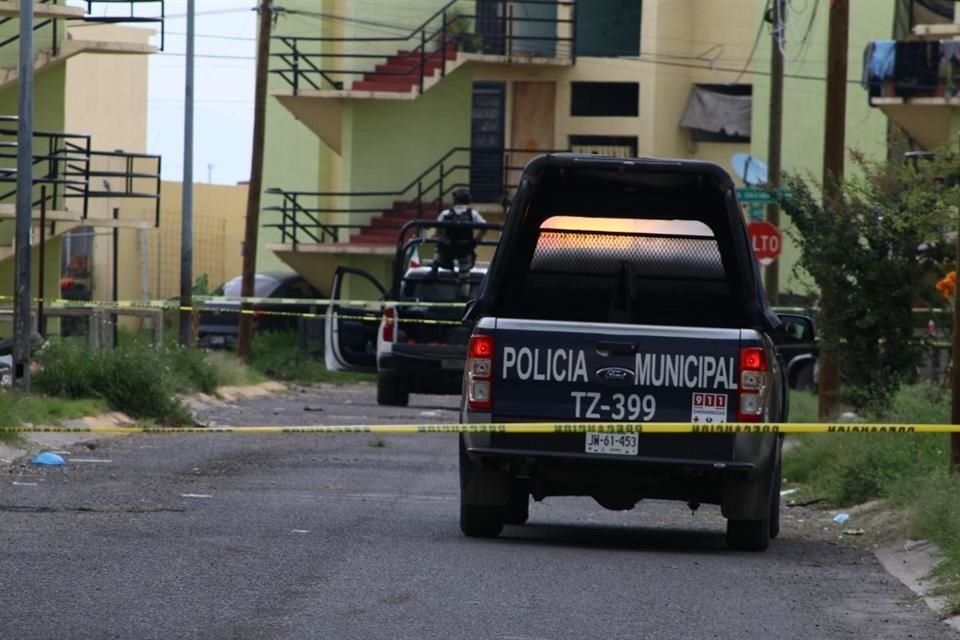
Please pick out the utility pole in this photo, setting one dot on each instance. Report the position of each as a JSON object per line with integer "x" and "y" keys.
{"x": 24, "y": 202}
{"x": 252, "y": 228}
{"x": 778, "y": 42}
{"x": 186, "y": 222}
{"x": 833, "y": 157}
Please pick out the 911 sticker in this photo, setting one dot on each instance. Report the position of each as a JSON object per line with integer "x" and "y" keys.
{"x": 709, "y": 408}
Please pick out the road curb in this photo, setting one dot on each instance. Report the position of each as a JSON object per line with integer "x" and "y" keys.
{"x": 35, "y": 442}
{"x": 911, "y": 562}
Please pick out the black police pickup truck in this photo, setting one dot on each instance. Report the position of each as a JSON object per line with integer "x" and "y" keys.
{"x": 623, "y": 290}
{"x": 413, "y": 338}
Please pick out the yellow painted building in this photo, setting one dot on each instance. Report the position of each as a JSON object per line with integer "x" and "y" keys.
{"x": 91, "y": 107}
{"x": 356, "y": 142}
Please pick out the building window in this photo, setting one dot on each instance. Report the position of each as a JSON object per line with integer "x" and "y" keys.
{"x": 606, "y": 28}
{"x": 719, "y": 113}
{"x": 604, "y": 99}
{"x": 616, "y": 146}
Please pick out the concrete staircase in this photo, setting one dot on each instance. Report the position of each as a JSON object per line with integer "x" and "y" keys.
{"x": 401, "y": 72}
{"x": 383, "y": 229}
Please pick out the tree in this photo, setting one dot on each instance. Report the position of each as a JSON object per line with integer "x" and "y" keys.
{"x": 877, "y": 253}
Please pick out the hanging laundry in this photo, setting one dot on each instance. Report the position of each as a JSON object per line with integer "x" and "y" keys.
{"x": 950, "y": 59}
{"x": 878, "y": 65}
{"x": 949, "y": 51}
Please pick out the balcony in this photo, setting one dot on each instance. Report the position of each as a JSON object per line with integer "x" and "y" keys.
{"x": 73, "y": 183}
{"x": 53, "y": 44}
{"x": 338, "y": 68}
{"x": 916, "y": 83}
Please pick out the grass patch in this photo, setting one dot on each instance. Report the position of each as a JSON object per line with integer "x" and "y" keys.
{"x": 17, "y": 409}
{"x": 803, "y": 406}
{"x": 276, "y": 355}
{"x": 231, "y": 371}
{"x": 134, "y": 378}
{"x": 908, "y": 471}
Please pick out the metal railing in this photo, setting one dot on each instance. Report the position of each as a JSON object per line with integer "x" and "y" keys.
{"x": 38, "y": 25}
{"x": 122, "y": 175}
{"x": 54, "y": 23}
{"x": 67, "y": 173}
{"x": 305, "y": 215}
{"x": 60, "y": 162}
{"x": 514, "y": 29}
{"x": 131, "y": 17}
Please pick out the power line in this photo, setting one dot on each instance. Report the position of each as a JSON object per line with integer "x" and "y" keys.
{"x": 217, "y": 56}
{"x": 753, "y": 49}
{"x": 795, "y": 76}
{"x": 212, "y": 36}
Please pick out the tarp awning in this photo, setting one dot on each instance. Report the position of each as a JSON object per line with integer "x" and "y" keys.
{"x": 717, "y": 112}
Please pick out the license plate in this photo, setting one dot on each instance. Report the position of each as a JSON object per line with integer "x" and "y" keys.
{"x": 452, "y": 364}
{"x": 220, "y": 340}
{"x": 624, "y": 444}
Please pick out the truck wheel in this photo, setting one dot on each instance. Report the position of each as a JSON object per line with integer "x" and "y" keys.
{"x": 518, "y": 511}
{"x": 803, "y": 379}
{"x": 477, "y": 521}
{"x": 391, "y": 392}
{"x": 748, "y": 535}
{"x": 481, "y": 521}
{"x": 775, "y": 498}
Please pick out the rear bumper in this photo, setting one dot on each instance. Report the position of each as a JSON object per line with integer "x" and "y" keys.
{"x": 591, "y": 460}
{"x": 731, "y": 470}
{"x": 439, "y": 360}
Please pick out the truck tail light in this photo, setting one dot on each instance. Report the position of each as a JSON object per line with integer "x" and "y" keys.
{"x": 389, "y": 324}
{"x": 480, "y": 373}
{"x": 752, "y": 384}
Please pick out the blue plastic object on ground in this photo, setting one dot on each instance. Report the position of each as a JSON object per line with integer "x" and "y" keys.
{"x": 49, "y": 459}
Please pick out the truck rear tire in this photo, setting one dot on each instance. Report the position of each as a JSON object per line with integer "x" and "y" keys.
{"x": 391, "y": 392}
{"x": 518, "y": 511}
{"x": 775, "y": 497}
{"x": 748, "y": 535}
{"x": 478, "y": 521}
{"x": 803, "y": 379}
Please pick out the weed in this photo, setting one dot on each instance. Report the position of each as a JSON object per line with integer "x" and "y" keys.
{"x": 17, "y": 409}
{"x": 909, "y": 471}
{"x": 134, "y": 378}
{"x": 277, "y": 355}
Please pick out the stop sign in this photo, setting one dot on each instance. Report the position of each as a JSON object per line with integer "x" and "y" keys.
{"x": 766, "y": 241}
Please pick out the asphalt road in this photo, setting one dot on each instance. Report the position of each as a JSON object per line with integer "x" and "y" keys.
{"x": 320, "y": 536}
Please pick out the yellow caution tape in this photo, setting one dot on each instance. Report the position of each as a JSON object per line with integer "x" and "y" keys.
{"x": 59, "y": 303}
{"x": 516, "y": 428}
{"x": 214, "y": 300}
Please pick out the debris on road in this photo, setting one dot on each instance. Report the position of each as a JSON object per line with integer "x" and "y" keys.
{"x": 48, "y": 459}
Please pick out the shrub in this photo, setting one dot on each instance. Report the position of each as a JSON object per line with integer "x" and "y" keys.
{"x": 134, "y": 378}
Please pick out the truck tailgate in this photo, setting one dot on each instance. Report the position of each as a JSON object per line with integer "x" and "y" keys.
{"x": 566, "y": 371}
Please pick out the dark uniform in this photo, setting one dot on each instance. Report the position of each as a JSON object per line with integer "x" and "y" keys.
{"x": 458, "y": 245}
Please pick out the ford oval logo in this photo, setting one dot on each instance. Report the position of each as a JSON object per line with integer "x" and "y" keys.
{"x": 615, "y": 375}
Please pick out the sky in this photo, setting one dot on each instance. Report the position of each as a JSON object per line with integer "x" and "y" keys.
{"x": 223, "y": 91}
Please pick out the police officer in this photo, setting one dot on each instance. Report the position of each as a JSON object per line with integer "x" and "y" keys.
{"x": 458, "y": 244}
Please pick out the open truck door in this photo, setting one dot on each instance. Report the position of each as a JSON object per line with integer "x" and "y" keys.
{"x": 350, "y": 335}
